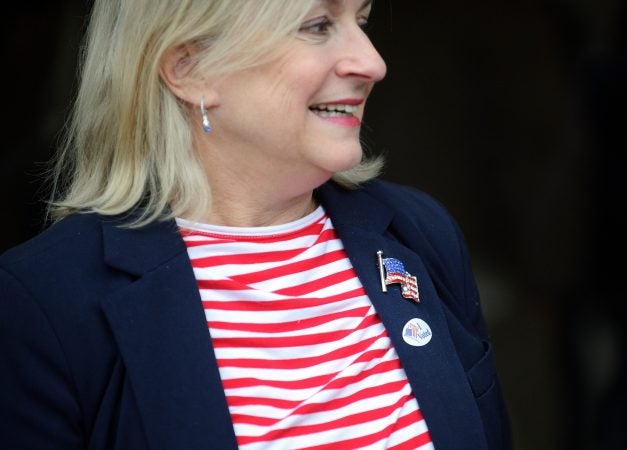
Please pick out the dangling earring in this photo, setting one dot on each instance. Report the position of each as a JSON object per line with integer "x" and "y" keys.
{"x": 206, "y": 125}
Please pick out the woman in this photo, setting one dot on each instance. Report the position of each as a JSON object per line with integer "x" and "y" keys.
{"x": 224, "y": 270}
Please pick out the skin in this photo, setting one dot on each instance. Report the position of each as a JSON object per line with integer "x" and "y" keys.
{"x": 269, "y": 149}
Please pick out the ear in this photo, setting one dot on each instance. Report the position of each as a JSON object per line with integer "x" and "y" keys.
{"x": 176, "y": 71}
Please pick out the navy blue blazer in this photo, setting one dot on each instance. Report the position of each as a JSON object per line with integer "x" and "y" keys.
{"x": 104, "y": 343}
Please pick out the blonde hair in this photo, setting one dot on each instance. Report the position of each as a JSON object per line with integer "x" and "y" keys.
{"x": 128, "y": 142}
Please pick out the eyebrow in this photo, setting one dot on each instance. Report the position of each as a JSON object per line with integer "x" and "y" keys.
{"x": 338, "y": 3}
{"x": 365, "y": 4}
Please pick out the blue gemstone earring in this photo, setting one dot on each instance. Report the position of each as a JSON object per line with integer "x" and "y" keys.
{"x": 206, "y": 125}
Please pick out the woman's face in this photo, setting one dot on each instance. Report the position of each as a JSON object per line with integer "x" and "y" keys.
{"x": 300, "y": 116}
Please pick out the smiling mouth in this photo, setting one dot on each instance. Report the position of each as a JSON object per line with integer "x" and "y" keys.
{"x": 335, "y": 110}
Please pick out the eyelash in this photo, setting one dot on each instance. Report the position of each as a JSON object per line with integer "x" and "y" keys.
{"x": 321, "y": 25}
{"x": 316, "y": 26}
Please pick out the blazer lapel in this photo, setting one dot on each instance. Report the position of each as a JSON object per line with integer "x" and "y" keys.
{"x": 437, "y": 378}
{"x": 160, "y": 328}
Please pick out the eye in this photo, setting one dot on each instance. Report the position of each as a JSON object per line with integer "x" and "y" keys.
{"x": 363, "y": 23}
{"x": 317, "y": 26}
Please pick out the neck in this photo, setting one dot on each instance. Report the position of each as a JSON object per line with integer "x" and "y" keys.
{"x": 235, "y": 211}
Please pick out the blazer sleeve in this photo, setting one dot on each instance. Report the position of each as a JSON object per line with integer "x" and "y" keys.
{"x": 38, "y": 407}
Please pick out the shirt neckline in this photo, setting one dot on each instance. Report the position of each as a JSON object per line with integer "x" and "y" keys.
{"x": 242, "y": 232}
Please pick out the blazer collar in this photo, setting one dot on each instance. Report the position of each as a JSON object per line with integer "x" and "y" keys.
{"x": 139, "y": 250}
{"x": 354, "y": 208}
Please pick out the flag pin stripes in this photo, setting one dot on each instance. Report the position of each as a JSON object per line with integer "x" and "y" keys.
{"x": 391, "y": 271}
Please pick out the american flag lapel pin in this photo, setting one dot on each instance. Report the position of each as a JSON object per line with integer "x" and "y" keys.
{"x": 392, "y": 270}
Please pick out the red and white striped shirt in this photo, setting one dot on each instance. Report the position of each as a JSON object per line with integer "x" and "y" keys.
{"x": 304, "y": 359}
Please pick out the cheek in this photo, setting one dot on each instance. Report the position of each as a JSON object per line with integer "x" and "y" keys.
{"x": 301, "y": 83}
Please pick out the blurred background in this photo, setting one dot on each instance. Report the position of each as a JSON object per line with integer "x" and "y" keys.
{"x": 512, "y": 114}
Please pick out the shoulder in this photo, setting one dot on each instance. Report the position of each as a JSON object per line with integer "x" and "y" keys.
{"x": 410, "y": 202}
{"x": 84, "y": 256}
{"x": 412, "y": 213}
{"x": 422, "y": 223}
{"x": 70, "y": 249}
{"x": 64, "y": 237}
{"x": 63, "y": 266}
{"x": 55, "y": 265}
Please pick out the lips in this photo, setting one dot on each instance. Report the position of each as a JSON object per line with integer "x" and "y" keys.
{"x": 338, "y": 108}
{"x": 339, "y": 112}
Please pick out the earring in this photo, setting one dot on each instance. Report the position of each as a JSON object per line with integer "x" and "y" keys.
{"x": 206, "y": 125}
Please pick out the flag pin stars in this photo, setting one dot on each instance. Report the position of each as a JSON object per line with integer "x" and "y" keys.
{"x": 391, "y": 271}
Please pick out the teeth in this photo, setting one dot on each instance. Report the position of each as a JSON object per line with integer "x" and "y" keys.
{"x": 331, "y": 113}
{"x": 348, "y": 109}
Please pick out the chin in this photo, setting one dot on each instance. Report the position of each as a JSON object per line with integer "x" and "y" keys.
{"x": 339, "y": 159}
{"x": 351, "y": 160}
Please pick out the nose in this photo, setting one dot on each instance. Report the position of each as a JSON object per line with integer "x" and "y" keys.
{"x": 360, "y": 58}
